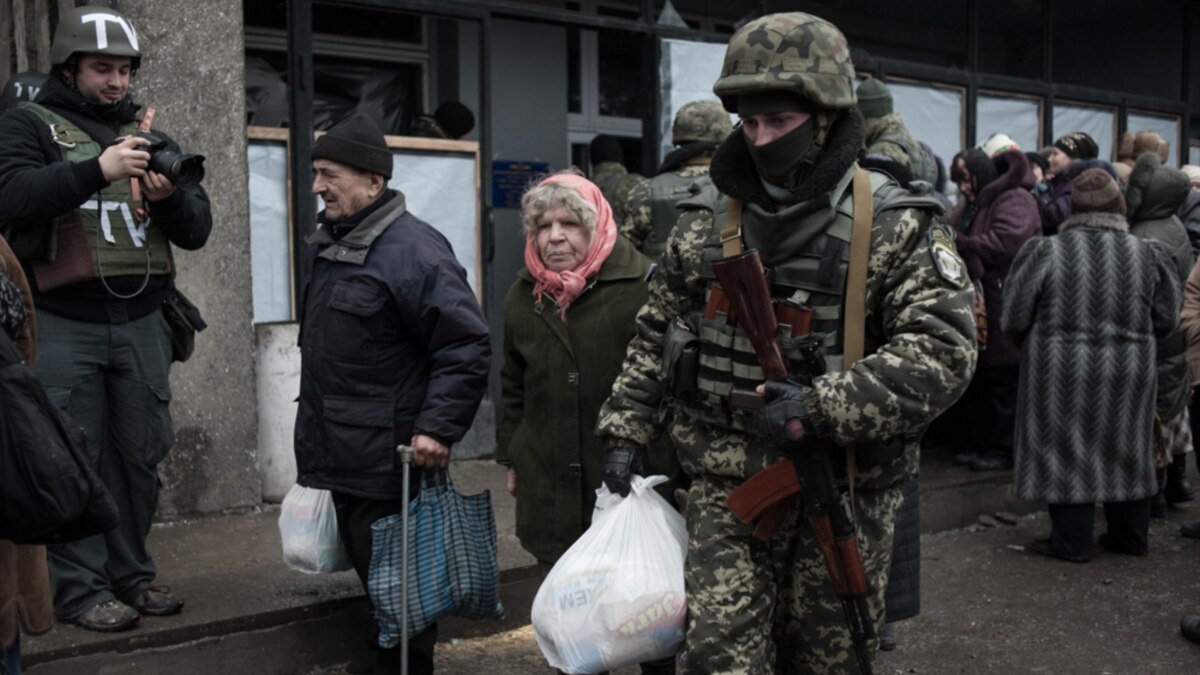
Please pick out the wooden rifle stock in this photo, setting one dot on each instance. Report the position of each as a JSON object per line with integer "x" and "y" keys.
{"x": 744, "y": 283}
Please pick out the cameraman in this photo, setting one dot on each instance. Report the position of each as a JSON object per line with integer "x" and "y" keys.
{"x": 93, "y": 228}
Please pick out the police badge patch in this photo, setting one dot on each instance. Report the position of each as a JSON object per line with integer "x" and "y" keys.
{"x": 945, "y": 257}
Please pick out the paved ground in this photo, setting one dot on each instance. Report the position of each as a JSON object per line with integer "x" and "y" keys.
{"x": 989, "y": 606}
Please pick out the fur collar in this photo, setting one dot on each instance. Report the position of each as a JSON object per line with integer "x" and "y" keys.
{"x": 1014, "y": 174}
{"x": 1105, "y": 221}
{"x": 734, "y": 173}
{"x": 679, "y": 156}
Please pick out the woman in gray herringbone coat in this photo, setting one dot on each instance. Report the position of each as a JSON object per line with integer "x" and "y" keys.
{"x": 1087, "y": 307}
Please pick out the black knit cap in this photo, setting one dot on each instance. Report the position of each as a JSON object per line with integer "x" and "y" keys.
{"x": 357, "y": 142}
{"x": 605, "y": 148}
{"x": 1095, "y": 191}
{"x": 1078, "y": 145}
{"x": 1036, "y": 158}
{"x": 455, "y": 119}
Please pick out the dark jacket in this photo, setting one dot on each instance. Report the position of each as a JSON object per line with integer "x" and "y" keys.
{"x": 1055, "y": 206}
{"x": 1154, "y": 194}
{"x": 25, "y": 597}
{"x": 36, "y": 187}
{"x": 1006, "y": 217}
{"x": 393, "y": 343}
{"x": 1189, "y": 213}
{"x": 1087, "y": 307}
{"x": 555, "y": 377}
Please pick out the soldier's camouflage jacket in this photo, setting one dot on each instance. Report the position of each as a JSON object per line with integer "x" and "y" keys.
{"x": 920, "y": 333}
{"x": 889, "y": 137}
{"x": 615, "y": 181}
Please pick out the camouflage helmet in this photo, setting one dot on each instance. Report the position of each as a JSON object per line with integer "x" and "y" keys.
{"x": 700, "y": 121}
{"x": 94, "y": 30}
{"x": 790, "y": 52}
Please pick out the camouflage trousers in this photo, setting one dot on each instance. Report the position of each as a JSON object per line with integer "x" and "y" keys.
{"x": 760, "y": 608}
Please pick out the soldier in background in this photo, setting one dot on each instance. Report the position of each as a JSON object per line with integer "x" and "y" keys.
{"x": 650, "y": 212}
{"x": 609, "y": 173}
{"x": 765, "y": 607}
{"x": 886, "y": 134}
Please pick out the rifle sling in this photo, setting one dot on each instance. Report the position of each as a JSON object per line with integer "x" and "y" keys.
{"x": 767, "y": 498}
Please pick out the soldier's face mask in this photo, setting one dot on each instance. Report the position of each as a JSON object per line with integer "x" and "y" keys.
{"x": 779, "y": 160}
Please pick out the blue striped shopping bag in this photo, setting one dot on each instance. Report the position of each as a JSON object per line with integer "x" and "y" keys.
{"x": 452, "y": 564}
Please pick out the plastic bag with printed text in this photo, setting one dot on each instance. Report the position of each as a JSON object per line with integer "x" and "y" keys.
{"x": 616, "y": 597}
{"x": 309, "y": 531}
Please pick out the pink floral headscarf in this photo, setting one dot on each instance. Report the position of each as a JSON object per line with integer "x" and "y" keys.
{"x": 565, "y": 286}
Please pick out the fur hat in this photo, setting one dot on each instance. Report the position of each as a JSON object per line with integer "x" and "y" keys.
{"x": 1193, "y": 173}
{"x": 356, "y": 142}
{"x": 1078, "y": 145}
{"x": 455, "y": 119}
{"x": 1095, "y": 191}
{"x": 998, "y": 144}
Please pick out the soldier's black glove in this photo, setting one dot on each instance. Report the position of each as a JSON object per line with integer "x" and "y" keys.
{"x": 618, "y": 464}
{"x": 784, "y": 418}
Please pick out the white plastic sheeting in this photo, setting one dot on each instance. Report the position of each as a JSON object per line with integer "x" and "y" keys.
{"x": 270, "y": 251}
{"x": 1020, "y": 118}
{"x": 932, "y": 114}
{"x": 439, "y": 187}
{"x": 687, "y": 72}
{"x": 440, "y": 190}
{"x": 1167, "y": 127}
{"x": 1098, "y": 123}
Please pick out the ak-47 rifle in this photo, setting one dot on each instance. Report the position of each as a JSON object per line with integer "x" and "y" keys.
{"x": 744, "y": 283}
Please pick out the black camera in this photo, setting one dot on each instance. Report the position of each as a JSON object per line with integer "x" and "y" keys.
{"x": 183, "y": 170}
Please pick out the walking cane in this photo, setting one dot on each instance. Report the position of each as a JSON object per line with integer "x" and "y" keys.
{"x": 406, "y": 458}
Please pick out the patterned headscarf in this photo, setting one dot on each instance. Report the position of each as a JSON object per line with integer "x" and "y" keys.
{"x": 565, "y": 286}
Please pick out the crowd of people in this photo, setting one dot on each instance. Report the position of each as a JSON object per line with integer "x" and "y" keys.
{"x": 1055, "y": 302}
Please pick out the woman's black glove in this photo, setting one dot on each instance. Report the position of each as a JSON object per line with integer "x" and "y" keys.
{"x": 619, "y": 463}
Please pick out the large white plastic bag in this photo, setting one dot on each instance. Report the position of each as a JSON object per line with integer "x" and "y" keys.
{"x": 309, "y": 530}
{"x": 616, "y": 597}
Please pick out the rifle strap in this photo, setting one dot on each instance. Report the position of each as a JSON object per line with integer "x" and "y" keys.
{"x": 854, "y": 328}
{"x": 731, "y": 234}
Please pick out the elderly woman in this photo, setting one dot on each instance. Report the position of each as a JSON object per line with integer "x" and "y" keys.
{"x": 997, "y": 217}
{"x": 568, "y": 319}
{"x": 24, "y": 578}
{"x": 1087, "y": 308}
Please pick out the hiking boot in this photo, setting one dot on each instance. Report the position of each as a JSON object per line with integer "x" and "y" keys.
{"x": 156, "y": 601}
{"x": 1178, "y": 489}
{"x": 1158, "y": 505}
{"x": 107, "y": 617}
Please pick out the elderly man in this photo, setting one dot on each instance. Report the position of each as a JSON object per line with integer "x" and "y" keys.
{"x": 394, "y": 347}
{"x": 94, "y": 229}
{"x": 787, "y": 184}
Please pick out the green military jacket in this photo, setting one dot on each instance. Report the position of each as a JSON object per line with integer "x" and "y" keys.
{"x": 889, "y": 137}
{"x": 615, "y": 181}
{"x": 919, "y": 320}
{"x": 555, "y": 376}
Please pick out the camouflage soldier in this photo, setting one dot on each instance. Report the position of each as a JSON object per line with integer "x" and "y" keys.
{"x": 765, "y": 607}
{"x": 609, "y": 173}
{"x": 650, "y": 204}
{"x": 887, "y": 135}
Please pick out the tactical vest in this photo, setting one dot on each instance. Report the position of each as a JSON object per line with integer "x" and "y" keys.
{"x": 666, "y": 190}
{"x": 100, "y": 238}
{"x": 806, "y": 249}
{"x": 923, "y": 166}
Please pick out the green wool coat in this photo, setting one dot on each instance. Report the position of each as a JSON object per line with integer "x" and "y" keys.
{"x": 555, "y": 377}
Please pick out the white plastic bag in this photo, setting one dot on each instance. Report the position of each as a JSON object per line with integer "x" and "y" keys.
{"x": 616, "y": 597}
{"x": 309, "y": 530}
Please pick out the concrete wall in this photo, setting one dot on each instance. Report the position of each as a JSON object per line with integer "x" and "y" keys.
{"x": 193, "y": 73}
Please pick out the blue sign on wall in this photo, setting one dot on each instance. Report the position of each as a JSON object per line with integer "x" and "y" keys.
{"x": 510, "y": 179}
